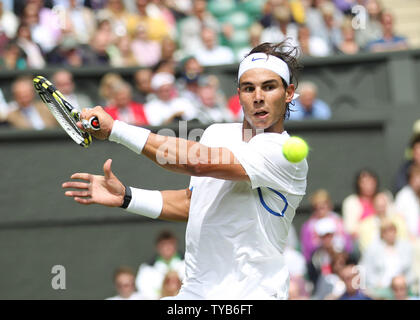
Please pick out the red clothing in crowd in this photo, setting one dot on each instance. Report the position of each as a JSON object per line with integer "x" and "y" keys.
{"x": 135, "y": 111}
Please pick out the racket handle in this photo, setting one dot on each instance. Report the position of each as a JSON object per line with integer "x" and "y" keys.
{"x": 92, "y": 123}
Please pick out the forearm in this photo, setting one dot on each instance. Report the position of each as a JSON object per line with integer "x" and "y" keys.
{"x": 179, "y": 155}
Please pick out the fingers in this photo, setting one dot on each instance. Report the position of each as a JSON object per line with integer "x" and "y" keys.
{"x": 77, "y": 194}
{"x": 75, "y": 185}
{"x": 82, "y": 176}
{"x": 107, "y": 169}
{"x": 85, "y": 201}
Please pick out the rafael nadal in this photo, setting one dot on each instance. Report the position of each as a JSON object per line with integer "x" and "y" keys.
{"x": 243, "y": 193}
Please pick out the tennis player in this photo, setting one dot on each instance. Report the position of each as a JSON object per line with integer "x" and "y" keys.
{"x": 243, "y": 193}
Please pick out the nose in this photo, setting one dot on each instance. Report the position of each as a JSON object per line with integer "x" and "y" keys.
{"x": 258, "y": 95}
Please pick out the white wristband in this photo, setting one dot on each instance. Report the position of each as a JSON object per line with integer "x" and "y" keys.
{"x": 148, "y": 203}
{"x": 130, "y": 136}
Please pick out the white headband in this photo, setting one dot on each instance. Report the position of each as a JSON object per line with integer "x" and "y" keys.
{"x": 265, "y": 61}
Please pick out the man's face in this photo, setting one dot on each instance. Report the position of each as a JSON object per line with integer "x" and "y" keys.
{"x": 125, "y": 285}
{"x": 64, "y": 82}
{"x": 164, "y": 92}
{"x": 348, "y": 275}
{"x": 122, "y": 97}
{"x": 307, "y": 98}
{"x": 24, "y": 94}
{"x": 167, "y": 248}
{"x": 416, "y": 153}
{"x": 263, "y": 98}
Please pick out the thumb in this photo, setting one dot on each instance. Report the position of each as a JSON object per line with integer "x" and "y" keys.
{"x": 107, "y": 169}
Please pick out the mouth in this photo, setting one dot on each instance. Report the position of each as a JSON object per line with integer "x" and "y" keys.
{"x": 261, "y": 114}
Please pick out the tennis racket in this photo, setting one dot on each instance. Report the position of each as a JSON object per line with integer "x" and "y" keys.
{"x": 65, "y": 114}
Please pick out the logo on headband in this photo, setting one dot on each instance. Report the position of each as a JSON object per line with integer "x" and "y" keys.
{"x": 255, "y": 59}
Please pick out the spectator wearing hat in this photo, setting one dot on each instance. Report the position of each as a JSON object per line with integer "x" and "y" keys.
{"x": 322, "y": 207}
{"x": 320, "y": 263}
{"x": 124, "y": 108}
{"x": 166, "y": 106}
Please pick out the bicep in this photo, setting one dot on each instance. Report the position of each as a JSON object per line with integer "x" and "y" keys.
{"x": 176, "y": 205}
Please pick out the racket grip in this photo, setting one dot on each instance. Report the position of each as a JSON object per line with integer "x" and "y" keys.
{"x": 92, "y": 123}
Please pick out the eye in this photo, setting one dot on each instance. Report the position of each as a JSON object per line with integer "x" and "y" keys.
{"x": 269, "y": 87}
{"x": 248, "y": 89}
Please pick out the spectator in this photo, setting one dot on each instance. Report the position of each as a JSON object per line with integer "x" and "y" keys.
{"x": 329, "y": 285}
{"x": 331, "y": 32}
{"x": 320, "y": 264}
{"x": 413, "y": 159}
{"x": 169, "y": 50}
{"x": 407, "y": 201}
{"x": 308, "y": 106}
{"x": 372, "y": 28}
{"x": 389, "y": 41}
{"x": 147, "y": 52}
{"x": 369, "y": 229}
{"x": 255, "y": 32}
{"x": 122, "y": 22}
{"x": 312, "y": 45}
{"x": 125, "y": 285}
{"x": 322, "y": 208}
{"x": 63, "y": 80}
{"x": 123, "y": 55}
{"x": 351, "y": 277}
{"x": 315, "y": 20}
{"x": 348, "y": 45}
{"x": 34, "y": 56}
{"x": 8, "y": 21}
{"x": 282, "y": 27}
{"x": 166, "y": 107}
{"x": 211, "y": 53}
{"x": 13, "y": 57}
{"x": 171, "y": 284}
{"x": 191, "y": 72}
{"x": 210, "y": 109}
{"x": 190, "y": 27}
{"x": 108, "y": 81}
{"x": 44, "y": 24}
{"x": 96, "y": 53}
{"x": 160, "y": 10}
{"x": 25, "y": 112}
{"x": 80, "y": 21}
{"x": 142, "y": 85}
{"x": 156, "y": 27}
{"x": 150, "y": 277}
{"x": 297, "y": 289}
{"x": 123, "y": 107}
{"x": 386, "y": 259}
{"x": 67, "y": 53}
{"x": 399, "y": 288}
{"x": 359, "y": 205}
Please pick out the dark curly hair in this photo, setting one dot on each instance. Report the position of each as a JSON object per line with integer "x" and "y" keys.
{"x": 289, "y": 54}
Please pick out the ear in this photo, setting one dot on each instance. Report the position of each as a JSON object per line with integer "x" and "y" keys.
{"x": 290, "y": 91}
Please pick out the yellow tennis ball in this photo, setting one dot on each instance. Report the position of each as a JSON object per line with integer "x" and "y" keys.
{"x": 295, "y": 149}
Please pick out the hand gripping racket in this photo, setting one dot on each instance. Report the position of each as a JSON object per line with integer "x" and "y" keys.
{"x": 66, "y": 115}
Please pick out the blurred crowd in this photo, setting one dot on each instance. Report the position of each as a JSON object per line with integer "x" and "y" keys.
{"x": 122, "y": 33}
{"x": 171, "y": 43}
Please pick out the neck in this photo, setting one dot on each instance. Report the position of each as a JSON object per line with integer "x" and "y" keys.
{"x": 248, "y": 132}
